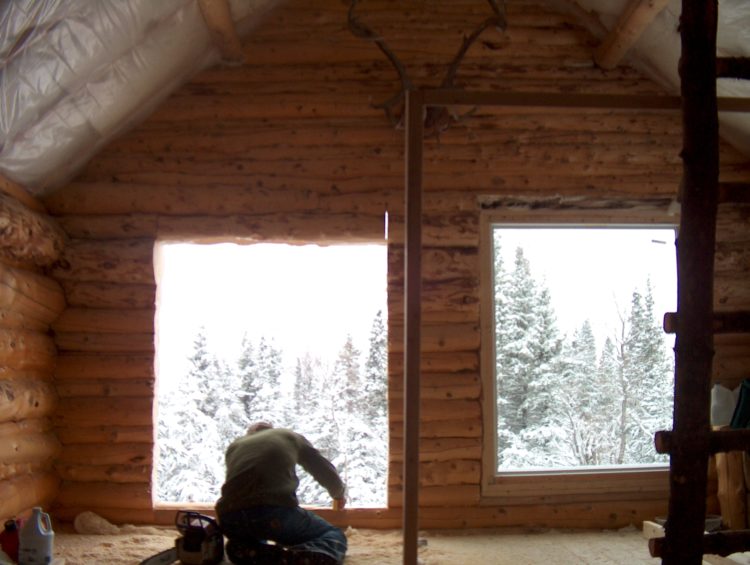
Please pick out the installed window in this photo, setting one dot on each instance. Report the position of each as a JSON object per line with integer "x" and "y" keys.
{"x": 294, "y": 335}
{"x": 580, "y": 368}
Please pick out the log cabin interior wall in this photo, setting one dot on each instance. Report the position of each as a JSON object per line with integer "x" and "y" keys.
{"x": 289, "y": 147}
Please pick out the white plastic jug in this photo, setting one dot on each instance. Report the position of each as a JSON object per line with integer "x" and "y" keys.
{"x": 36, "y": 539}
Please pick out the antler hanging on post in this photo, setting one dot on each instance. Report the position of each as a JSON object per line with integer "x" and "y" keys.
{"x": 437, "y": 119}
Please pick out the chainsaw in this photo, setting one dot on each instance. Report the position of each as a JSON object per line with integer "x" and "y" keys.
{"x": 201, "y": 542}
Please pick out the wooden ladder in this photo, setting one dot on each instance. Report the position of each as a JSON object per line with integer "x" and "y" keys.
{"x": 691, "y": 441}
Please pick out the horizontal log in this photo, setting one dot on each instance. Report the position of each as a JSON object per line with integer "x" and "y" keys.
{"x": 38, "y": 448}
{"x": 105, "y": 320}
{"x": 122, "y": 261}
{"x": 104, "y": 473}
{"x": 436, "y": 338}
{"x": 437, "y": 386}
{"x": 22, "y": 493}
{"x": 26, "y": 350}
{"x": 82, "y": 366}
{"x": 25, "y": 427}
{"x": 731, "y": 223}
{"x": 110, "y": 342}
{"x": 437, "y": 264}
{"x": 451, "y": 302}
{"x": 105, "y": 434}
{"x": 453, "y": 428}
{"x": 440, "y": 449}
{"x": 731, "y": 257}
{"x": 440, "y": 230}
{"x": 437, "y": 362}
{"x": 730, "y": 294}
{"x": 109, "y": 295}
{"x": 26, "y": 399}
{"x": 733, "y": 67}
{"x": 26, "y": 236}
{"x": 452, "y": 495}
{"x": 436, "y": 410}
{"x": 31, "y": 294}
{"x": 15, "y": 470}
{"x": 93, "y": 495}
{"x": 734, "y": 193}
{"x": 96, "y": 411}
{"x": 105, "y": 387}
{"x": 441, "y": 473}
{"x": 15, "y": 190}
{"x": 718, "y": 441}
{"x": 114, "y": 454}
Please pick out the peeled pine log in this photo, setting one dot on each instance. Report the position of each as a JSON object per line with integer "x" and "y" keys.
{"x": 81, "y": 366}
{"x": 103, "y": 434}
{"x": 13, "y": 470}
{"x": 437, "y": 410}
{"x": 453, "y": 302}
{"x": 117, "y": 261}
{"x": 29, "y": 448}
{"x": 453, "y": 337}
{"x": 35, "y": 426}
{"x": 435, "y": 386}
{"x": 440, "y": 473}
{"x": 441, "y": 449}
{"x": 105, "y": 320}
{"x": 440, "y": 230}
{"x": 446, "y": 428}
{"x": 111, "y": 342}
{"x": 22, "y": 493}
{"x": 439, "y": 264}
{"x": 28, "y": 237}
{"x": 113, "y": 454}
{"x": 732, "y": 257}
{"x": 27, "y": 350}
{"x": 109, "y": 295}
{"x": 452, "y": 495}
{"x": 105, "y": 387}
{"x": 96, "y": 411}
{"x": 437, "y": 362}
{"x": 731, "y": 223}
{"x": 93, "y": 495}
{"x": 106, "y": 473}
{"x": 26, "y": 399}
{"x": 731, "y": 292}
{"x": 35, "y": 296}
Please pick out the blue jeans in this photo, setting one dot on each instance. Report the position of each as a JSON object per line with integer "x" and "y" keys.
{"x": 293, "y": 527}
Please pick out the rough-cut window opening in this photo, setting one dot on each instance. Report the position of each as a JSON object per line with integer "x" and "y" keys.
{"x": 580, "y": 368}
{"x": 292, "y": 334}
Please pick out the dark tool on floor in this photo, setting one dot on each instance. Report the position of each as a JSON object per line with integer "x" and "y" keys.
{"x": 201, "y": 542}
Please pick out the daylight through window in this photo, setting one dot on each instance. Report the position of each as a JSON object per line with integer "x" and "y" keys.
{"x": 295, "y": 335}
{"x": 583, "y": 369}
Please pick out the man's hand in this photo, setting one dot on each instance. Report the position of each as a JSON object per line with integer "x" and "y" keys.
{"x": 339, "y": 503}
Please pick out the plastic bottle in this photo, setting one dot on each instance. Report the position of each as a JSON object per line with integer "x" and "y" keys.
{"x": 9, "y": 540}
{"x": 36, "y": 539}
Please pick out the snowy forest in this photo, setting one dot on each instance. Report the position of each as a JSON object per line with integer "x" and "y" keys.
{"x": 340, "y": 407}
{"x": 561, "y": 403}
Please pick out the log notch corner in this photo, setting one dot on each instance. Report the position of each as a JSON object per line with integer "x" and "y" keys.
{"x": 30, "y": 241}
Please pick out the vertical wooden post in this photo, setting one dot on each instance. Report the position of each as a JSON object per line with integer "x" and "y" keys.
{"x": 695, "y": 260}
{"x": 412, "y": 321}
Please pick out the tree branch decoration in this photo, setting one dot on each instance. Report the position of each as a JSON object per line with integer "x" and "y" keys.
{"x": 436, "y": 119}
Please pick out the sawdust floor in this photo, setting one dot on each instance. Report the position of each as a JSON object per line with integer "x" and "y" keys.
{"x": 376, "y": 547}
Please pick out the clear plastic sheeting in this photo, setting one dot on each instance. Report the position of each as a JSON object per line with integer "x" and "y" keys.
{"x": 75, "y": 73}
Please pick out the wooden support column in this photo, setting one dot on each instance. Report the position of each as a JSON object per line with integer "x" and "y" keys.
{"x": 683, "y": 544}
{"x": 412, "y": 321}
{"x": 633, "y": 21}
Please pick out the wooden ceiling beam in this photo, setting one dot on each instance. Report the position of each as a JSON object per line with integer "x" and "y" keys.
{"x": 218, "y": 18}
{"x": 633, "y": 21}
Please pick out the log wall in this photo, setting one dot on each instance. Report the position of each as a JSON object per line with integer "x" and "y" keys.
{"x": 289, "y": 147}
{"x": 29, "y": 304}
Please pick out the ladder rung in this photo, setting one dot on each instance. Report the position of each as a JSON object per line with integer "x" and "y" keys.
{"x": 719, "y": 441}
{"x": 716, "y": 543}
{"x": 733, "y": 67}
{"x": 723, "y": 322}
{"x": 734, "y": 192}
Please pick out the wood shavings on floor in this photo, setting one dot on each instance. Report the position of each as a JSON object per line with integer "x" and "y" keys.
{"x": 132, "y": 544}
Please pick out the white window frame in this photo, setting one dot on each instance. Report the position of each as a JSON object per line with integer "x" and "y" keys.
{"x": 554, "y": 486}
